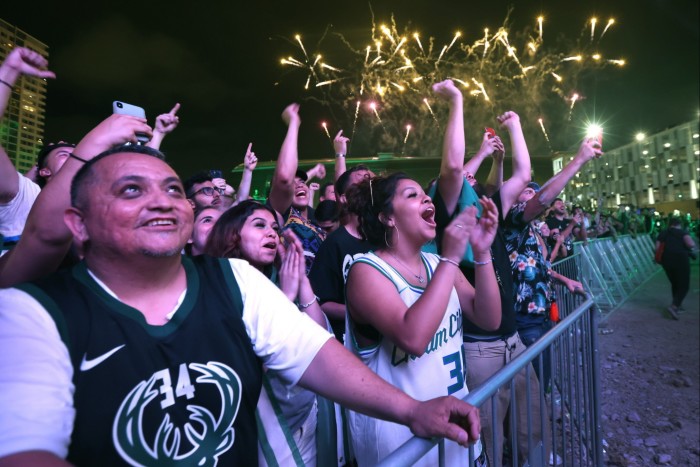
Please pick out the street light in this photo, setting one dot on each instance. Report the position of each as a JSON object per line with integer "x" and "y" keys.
{"x": 640, "y": 136}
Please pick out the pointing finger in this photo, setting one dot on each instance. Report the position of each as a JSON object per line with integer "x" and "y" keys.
{"x": 175, "y": 109}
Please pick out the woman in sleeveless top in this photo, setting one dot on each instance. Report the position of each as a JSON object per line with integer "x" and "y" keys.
{"x": 405, "y": 307}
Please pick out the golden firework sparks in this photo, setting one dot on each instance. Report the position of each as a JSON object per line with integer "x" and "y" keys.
{"x": 544, "y": 132}
{"x": 594, "y": 20}
{"x": 611, "y": 21}
{"x": 325, "y": 129}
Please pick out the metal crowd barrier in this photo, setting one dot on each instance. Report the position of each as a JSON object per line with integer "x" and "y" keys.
{"x": 610, "y": 270}
{"x": 572, "y": 407}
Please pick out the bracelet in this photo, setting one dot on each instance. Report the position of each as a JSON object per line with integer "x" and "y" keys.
{"x": 304, "y": 306}
{"x": 77, "y": 158}
{"x": 481, "y": 263}
{"x": 448, "y": 260}
{"x": 337, "y": 154}
{"x": 6, "y": 83}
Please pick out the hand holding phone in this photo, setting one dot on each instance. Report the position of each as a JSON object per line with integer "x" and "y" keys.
{"x": 119, "y": 107}
{"x": 491, "y": 132}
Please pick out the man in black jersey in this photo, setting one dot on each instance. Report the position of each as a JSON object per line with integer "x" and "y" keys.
{"x": 139, "y": 355}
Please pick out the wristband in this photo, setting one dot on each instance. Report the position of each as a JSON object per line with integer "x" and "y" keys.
{"x": 337, "y": 155}
{"x": 304, "y": 306}
{"x": 482, "y": 263}
{"x": 6, "y": 83}
{"x": 448, "y": 260}
{"x": 77, "y": 158}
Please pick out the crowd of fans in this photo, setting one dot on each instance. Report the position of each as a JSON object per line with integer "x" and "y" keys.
{"x": 147, "y": 320}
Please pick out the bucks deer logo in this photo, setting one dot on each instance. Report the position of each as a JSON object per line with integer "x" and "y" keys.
{"x": 209, "y": 435}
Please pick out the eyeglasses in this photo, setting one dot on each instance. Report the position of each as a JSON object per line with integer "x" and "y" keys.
{"x": 208, "y": 191}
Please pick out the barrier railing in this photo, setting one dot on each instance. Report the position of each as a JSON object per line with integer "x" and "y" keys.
{"x": 610, "y": 271}
{"x": 572, "y": 406}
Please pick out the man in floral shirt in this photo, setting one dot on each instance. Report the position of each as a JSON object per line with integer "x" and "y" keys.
{"x": 530, "y": 269}
{"x": 531, "y": 289}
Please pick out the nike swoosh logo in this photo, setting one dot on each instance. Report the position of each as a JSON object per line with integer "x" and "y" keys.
{"x": 86, "y": 364}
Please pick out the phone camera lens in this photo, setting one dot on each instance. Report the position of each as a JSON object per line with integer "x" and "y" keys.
{"x": 120, "y": 105}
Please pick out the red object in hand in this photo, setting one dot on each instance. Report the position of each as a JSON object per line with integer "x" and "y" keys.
{"x": 554, "y": 312}
{"x": 490, "y": 131}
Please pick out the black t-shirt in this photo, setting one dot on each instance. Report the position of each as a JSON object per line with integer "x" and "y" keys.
{"x": 329, "y": 272}
{"x": 554, "y": 223}
{"x": 501, "y": 265}
{"x": 675, "y": 246}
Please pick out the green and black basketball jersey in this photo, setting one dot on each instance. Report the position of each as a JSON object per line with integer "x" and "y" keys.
{"x": 183, "y": 393}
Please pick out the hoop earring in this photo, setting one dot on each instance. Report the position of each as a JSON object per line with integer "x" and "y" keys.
{"x": 398, "y": 236}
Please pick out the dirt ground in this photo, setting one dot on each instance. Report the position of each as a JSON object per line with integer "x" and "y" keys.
{"x": 650, "y": 379}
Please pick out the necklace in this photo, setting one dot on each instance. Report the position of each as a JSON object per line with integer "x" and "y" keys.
{"x": 419, "y": 277}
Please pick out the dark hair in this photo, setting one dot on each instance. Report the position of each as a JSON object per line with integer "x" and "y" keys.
{"x": 555, "y": 200}
{"x": 85, "y": 175}
{"x": 225, "y": 237}
{"x": 325, "y": 186}
{"x": 43, "y": 154}
{"x": 199, "y": 177}
{"x": 341, "y": 185}
{"x": 370, "y": 198}
{"x": 327, "y": 210}
{"x": 675, "y": 221}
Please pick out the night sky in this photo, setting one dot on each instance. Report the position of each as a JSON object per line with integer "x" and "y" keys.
{"x": 221, "y": 62}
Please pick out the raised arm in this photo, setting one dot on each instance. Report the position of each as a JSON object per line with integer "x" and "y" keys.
{"x": 46, "y": 239}
{"x": 340, "y": 146}
{"x": 165, "y": 123}
{"x": 250, "y": 161}
{"x": 453, "y": 146}
{"x": 493, "y": 146}
{"x": 282, "y": 189}
{"x": 313, "y": 189}
{"x": 560, "y": 241}
{"x": 521, "y": 176}
{"x": 19, "y": 61}
{"x": 589, "y": 149}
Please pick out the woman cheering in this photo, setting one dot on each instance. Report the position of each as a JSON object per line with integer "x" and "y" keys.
{"x": 405, "y": 307}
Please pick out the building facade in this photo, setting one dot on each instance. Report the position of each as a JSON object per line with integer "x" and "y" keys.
{"x": 22, "y": 128}
{"x": 659, "y": 171}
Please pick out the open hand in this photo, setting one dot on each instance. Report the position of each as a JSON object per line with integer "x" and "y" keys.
{"x": 485, "y": 230}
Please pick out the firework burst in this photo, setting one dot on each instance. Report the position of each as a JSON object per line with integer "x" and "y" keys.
{"x": 499, "y": 71}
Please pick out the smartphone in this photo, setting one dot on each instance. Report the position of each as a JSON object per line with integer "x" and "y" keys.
{"x": 119, "y": 107}
{"x": 490, "y": 131}
{"x": 215, "y": 173}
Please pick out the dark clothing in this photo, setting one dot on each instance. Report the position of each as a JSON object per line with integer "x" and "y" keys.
{"x": 531, "y": 335}
{"x": 676, "y": 263}
{"x": 329, "y": 272}
{"x": 160, "y": 378}
{"x": 501, "y": 266}
{"x": 568, "y": 242}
